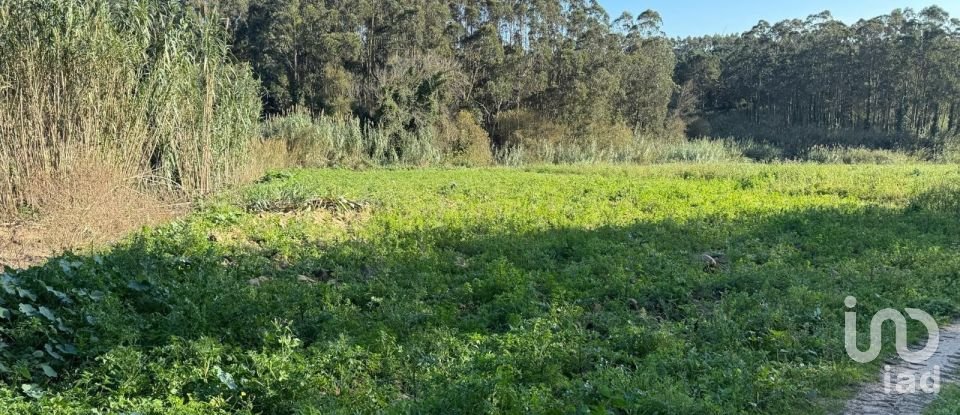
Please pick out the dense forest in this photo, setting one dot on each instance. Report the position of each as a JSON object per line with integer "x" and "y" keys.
{"x": 568, "y": 70}
{"x": 561, "y": 69}
{"x": 897, "y": 76}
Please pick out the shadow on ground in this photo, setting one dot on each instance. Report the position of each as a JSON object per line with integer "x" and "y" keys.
{"x": 707, "y": 316}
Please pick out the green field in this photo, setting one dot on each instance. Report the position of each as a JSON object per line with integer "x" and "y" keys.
{"x": 539, "y": 290}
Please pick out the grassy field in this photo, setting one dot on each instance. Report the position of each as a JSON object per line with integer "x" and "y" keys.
{"x": 669, "y": 289}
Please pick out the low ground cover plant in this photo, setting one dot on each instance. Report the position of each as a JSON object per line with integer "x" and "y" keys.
{"x": 543, "y": 290}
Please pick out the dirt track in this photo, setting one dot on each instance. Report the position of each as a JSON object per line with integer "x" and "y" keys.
{"x": 875, "y": 399}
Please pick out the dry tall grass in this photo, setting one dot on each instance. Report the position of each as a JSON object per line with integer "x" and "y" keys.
{"x": 145, "y": 87}
{"x": 109, "y": 111}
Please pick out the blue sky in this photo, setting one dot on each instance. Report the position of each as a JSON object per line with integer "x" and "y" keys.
{"x": 700, "y": 17}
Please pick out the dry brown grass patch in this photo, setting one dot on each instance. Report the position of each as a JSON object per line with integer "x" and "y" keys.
{"x": 92, "y": 206}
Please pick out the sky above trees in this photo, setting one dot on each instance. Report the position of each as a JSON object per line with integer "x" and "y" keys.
{"x": 702, "y": 17}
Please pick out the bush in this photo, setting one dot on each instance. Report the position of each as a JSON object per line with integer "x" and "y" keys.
{"x": 950, "y": 152}
{"x": 762, "y": 152}
{"x": 700, "y": 151}
{"x": 527, "y": 129}
{"x": 541, "y": 140}
{"x": 465, "y": 142}
{"x": 318, "y": 141}
{"x": 698, "y": 128}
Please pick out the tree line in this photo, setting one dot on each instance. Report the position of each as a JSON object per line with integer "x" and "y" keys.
{"x": 896, "y": 75}
{"x": 411, "y": 64}
{"x": 567, "y": 70}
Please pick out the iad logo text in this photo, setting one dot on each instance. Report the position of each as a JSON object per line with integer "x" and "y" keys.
{"x": 907, "y": 381}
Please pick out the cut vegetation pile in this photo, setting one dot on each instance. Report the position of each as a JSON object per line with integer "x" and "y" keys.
{"x": 677, "y": 289}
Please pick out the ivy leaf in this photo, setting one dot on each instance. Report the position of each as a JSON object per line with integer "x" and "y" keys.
{"x": 67, "y": 349}
{"x": 52, "y": 353}
{"x": 48, "y": 371}
{"x": 28, "y": 310}
{"x": 32, "y": 390}
{"x": 64, "y": 298}
{"x": 25, "y": 293}
{"x": 4, "y": 313}
{"x": 65, "y": 266}
{"x": 225, "y": 378}
{"x": 68, "y": 266}
{"x": 9, "y": 284}
{"x": 46, "y": 312}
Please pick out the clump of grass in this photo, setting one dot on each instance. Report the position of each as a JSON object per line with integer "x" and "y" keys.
{"x": 464, "y": 142}
{"x": 146, "y": 87}
{"x": 947, "y": 402}
{"x": 856, "y": 155}
{"x": 318, "y": 142}
{"x": 327, "y": 141}
{"x": 698, "y": 151}
{"x": 643, "y": 150}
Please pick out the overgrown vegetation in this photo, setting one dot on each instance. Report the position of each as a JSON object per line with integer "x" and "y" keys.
{"x": 561, "y": 69}
{"x": 325, "y": 141}
{"x": 948, "y": 402}
{"x": 144, "y": 89}
{"x": 692, "y": 287}
{"x": 565, "y": 74}
{"x": 555, "y": 289}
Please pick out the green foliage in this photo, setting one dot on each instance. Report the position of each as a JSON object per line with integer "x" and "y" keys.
{"x": 947, "y": 403}
{"x": 859, "y": 155}
{"x": 889, "y": 82}
{"x": 319, "y": 141}
{"x": 464, "y": 142}
{"x": 701, "y": 151}
{"x": 36, "y": 329}
{"x": 410, "y": 69}
{"x": 545, "y": 290}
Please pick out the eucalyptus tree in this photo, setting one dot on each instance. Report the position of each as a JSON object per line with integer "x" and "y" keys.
{"x": 895, "y": 74}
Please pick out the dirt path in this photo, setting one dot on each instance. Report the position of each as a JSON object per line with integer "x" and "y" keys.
{"x": 875, "y": 399}
{"x": 21, "y": 245}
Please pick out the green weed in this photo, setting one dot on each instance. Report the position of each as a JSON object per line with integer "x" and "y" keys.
{"x": 550, "y": 289}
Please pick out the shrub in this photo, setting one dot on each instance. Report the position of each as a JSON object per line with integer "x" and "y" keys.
{"x": 526, "y": 129}
{"x": 762, "y": 152}
{"x": 318, "y": 141}
{"x": 950, "y": 152}
{"x": 465, "y": 142}
{"x": 543, "y": 140}
{"x": 698, "y": 128}
{"x": 701, "y": 151}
